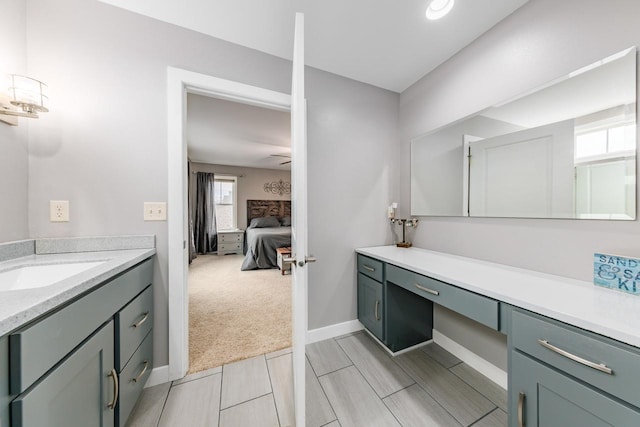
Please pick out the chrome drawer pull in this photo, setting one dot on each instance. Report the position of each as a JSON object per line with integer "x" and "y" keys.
{"x": 371, "y": 269}
{"x": 146, "y": 365}
{"x": 431, "y": 291}
{"x": 521, "y": 397}
{"x": 376, "y": 310}
{"x": 145, "y": 316}
{"x": 597, "y": 366}
{"x": 114, "y": 376}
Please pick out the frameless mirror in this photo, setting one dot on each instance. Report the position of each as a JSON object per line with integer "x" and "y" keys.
{"x": 565, "y": 150}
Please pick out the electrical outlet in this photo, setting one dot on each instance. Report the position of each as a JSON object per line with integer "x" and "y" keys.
{"x": 155, "y": 211}
{"x": 59, "y": 210}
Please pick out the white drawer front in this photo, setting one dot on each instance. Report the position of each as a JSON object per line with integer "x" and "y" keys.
{"x": 225, "y": 247}
{"x": 230, "y": 237}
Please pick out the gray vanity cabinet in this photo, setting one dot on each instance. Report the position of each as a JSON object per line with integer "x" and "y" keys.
{"x": 5, "y": 397}
{"x": 390, "y": 312}
{"x": 81, "y": 391}
{"x": 544, "y": 397}
{"x": 134, "y": 354}
{"x": 370, "y": 305}
{"x": 85, "y": 363}
{"x": 562, "y": 376}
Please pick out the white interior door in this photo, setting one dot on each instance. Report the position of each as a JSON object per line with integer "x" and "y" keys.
{"x": 528, "y": 173}
{"x": 299, "y": 229}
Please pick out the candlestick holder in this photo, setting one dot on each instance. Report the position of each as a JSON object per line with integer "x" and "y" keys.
{"x": 406, "y": 222}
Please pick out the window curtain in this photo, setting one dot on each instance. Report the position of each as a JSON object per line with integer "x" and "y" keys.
{"x": 204, "y": 224}
{"x": 191, "y": 210}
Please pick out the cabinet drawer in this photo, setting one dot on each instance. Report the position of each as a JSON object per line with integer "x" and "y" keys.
{"x": 36, "y": 348}
{"x": 370, "y": 267}
{"x": 476, "y": 307}
{"x": 226, "y": 247}
{"x": 623, "y": 382}
{"x": 229, "y": 237}
{"x": 133, "y": 378}
{"x": 133, "y": 323}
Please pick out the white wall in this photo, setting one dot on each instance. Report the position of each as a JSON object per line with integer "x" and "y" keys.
{"x": 103, "y": 146}
{"x": 13, "y": 139}
{"x": 250, "y": 184}
{"x": 539, "y": 42}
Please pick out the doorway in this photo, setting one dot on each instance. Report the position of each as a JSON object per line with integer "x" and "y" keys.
{"x": 239, "y": 174}
{"x": 180, "y": 83}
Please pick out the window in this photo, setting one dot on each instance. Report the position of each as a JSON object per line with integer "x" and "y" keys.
{"x": 609, "y": 142}
{"x": 605, "y": 165}
{"x": 225, "y": 199}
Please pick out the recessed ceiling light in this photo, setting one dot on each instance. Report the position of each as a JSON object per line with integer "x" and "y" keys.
{"x": 439, "y": 8}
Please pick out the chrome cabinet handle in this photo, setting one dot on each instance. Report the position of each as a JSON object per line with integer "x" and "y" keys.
{"x": 431, "y": 291}
{"x": 146, "y": 365}
{"x": 116, "y": 388}
{"x": 376, "y": 310}
{"x": 145, "y": 316}
{"x": 521, "y": 397}
{"x": 597, "y": 366}
{"x": 371, "y": 269}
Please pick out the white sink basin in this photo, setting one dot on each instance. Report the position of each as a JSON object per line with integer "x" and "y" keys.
{"x": 38, "y": 276}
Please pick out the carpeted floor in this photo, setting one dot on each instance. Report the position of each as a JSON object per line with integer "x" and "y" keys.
{"x": 233, "y": 314}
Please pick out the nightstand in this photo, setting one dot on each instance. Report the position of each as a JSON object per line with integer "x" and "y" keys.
{"x": 283, "y": 253}
{"x": 230, "y": 241}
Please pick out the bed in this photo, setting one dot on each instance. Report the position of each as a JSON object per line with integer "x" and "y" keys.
{"x": 268, "y": 228}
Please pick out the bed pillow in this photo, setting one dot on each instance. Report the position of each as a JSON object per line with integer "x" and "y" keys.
{"x": 264, "y": 222}
{"x": 285, "y": 221}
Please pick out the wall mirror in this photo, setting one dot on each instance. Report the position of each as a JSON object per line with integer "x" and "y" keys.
{"x": 565, "y": 150}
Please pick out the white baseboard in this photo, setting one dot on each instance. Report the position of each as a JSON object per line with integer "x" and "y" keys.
{"x": 481, "y": 365}
{"x": 159, "y": 375}
{"x": 332, "y": 331}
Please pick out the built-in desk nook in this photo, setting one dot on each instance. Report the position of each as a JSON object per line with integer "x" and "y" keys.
{"x": 573, "y": 347}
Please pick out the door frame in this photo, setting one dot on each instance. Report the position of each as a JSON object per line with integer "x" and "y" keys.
{"x": 179, "y": 83}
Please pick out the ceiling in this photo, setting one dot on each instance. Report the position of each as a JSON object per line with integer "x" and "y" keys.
{"x": 229, "y": 133}
{"x": 386, "y": 43}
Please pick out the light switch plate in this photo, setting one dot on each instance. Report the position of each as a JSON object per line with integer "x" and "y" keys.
{"x": 155, "y": 211}
{"x": 59, "y": 210}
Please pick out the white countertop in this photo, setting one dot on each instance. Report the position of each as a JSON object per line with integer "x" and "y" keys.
{"x": 21, "y": 306}
{"x": 604, "y": 311}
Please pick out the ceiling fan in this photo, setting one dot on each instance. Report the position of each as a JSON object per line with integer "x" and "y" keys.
{"x": 286, "y": 156}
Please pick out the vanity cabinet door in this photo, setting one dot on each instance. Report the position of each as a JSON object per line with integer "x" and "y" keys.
{"x": 544, "y": 397}
{"x": 75, "y": 393}
{"x": 370, "y": 305}
{"x": 5, "y": 398}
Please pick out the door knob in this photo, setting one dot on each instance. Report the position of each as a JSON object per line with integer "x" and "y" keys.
{"x": 310, "y": 258}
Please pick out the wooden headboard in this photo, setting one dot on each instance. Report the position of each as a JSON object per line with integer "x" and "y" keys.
{"x": 260, "y": 208}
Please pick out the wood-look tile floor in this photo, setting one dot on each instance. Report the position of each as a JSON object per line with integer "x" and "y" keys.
{"x": 351, "y": 382}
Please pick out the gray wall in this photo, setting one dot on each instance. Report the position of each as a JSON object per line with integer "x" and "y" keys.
{"x": 103, "y": 146}
{"x": 250, "y": 185}
{"x": 352, "y": 178}
{"x": 541, "y": 41}
{"x": 14, "y": 156}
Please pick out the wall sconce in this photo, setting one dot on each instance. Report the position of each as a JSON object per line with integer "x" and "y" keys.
{"x": 30, "y": 95}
